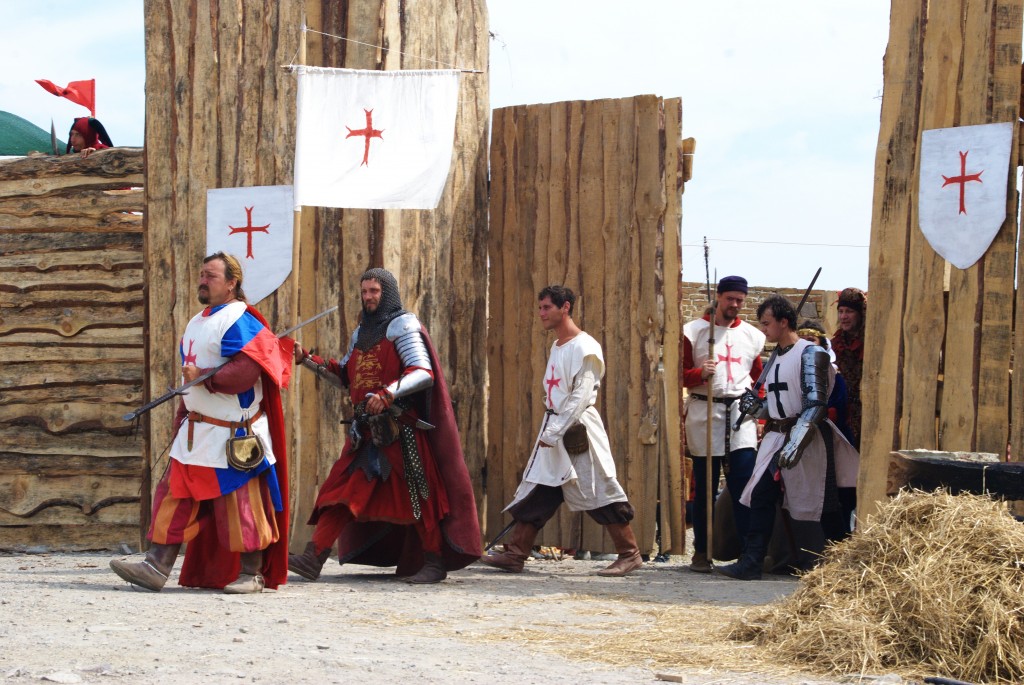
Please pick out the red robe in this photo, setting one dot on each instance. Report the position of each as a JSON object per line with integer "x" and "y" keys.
{"x": 209, "y": 565}
{"x": 372, "y": 538}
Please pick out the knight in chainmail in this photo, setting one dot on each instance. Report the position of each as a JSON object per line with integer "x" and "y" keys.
{"x": 803, "y": 459}
{"x": 397, "y": 495}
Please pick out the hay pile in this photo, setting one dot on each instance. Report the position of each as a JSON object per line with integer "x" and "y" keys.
{"x": 934, "y": 585}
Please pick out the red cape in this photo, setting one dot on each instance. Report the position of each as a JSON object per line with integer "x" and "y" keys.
{"x": 209, "y": 565}
{"x": 378, "y": 543}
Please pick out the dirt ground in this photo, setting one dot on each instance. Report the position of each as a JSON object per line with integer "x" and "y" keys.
{"x": 67, "y": 618}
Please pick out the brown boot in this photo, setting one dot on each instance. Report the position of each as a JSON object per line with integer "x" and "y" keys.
{"x": 250, "y": 580}
{"x": 629, "y": 554}
{"x": 700, "y": 563}
{"x": 309, "y": 563}
{"x": 152, "y": 572}
{"x": 516, "y": 550}
{"x": 433, "y": 571}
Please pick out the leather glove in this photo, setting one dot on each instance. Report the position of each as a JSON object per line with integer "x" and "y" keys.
{"x": 750, "y": 405}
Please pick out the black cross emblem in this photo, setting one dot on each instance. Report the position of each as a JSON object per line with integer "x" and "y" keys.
{"x": 776, "y": 387}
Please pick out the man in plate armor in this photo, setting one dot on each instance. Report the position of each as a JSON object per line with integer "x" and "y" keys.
{"x": 802, "y": 451}
{"x": 400, "y": 493}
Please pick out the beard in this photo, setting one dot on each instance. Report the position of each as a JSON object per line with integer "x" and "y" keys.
{"x": 204, "y": 296}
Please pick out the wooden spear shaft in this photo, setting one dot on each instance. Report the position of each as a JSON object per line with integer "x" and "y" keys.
{"x": 709, "y": 496}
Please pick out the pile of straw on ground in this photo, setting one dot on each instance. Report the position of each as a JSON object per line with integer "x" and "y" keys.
{"x": 934, "y": 584}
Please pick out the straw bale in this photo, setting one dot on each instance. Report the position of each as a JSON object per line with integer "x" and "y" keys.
{"x": 933, "y": 585}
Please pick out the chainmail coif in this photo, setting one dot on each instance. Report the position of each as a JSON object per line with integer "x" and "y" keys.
{"x": 374, "y": 325}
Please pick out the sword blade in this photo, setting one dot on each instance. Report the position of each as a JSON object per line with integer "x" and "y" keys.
{"x": 308, "y": 321}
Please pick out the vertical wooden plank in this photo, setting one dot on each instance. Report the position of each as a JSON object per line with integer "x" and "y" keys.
{"x": 997, "y": 282}
{"x": 670, "y": 494}
{"x": 924, "y": 319}
{"x": 496, "y": 330}
{"x": 970, "y": 57}
{"x": 650, "y": 206}
{"x": 891, "y": 225}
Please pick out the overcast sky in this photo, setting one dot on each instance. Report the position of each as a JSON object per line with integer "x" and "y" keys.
{"x": 782, "y": 98}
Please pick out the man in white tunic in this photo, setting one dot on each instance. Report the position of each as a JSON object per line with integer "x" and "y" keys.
{"x": 803, "y": 457}
{"x": 571, "y": 460}
{"x": 737, "y": 362}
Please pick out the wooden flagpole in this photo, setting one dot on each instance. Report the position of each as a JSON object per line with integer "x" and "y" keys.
{"x": 295, "y": 396}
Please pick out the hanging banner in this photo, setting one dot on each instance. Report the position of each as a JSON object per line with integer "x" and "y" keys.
{"x": 374, "y": 139}
{"x": 962, "y": 196}
{"x": 256, "y": 225}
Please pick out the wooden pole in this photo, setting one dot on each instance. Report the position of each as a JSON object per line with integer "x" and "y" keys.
{"x": 294, "y": 398}
{"x": 709, "y": 496}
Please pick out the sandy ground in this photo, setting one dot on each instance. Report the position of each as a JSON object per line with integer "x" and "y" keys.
{"x": 67, "y": 618}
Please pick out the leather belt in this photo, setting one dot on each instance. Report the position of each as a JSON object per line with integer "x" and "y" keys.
{"x": 719, "y": 400}
{"x": 727, "y": 401}
{"x": 195, "y": 417}
{"x": 780, "y": 425}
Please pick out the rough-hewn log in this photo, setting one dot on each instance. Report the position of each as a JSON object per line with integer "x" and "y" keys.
{"x": 32, "y": 439}
{"x": 24, "y": 496}
{"x": 120, "y": 165}
{"x": 70, "y": 538}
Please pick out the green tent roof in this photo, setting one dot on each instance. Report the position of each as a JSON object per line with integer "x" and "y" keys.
{"x": 19, "y": 136}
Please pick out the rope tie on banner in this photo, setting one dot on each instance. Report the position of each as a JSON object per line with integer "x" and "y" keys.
{"x": 306, "y": 29}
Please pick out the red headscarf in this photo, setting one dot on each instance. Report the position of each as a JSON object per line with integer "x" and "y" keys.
{"x": 92, "y": 131}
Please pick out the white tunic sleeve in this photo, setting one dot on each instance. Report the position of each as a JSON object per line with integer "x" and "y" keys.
{"x": 584, "y": 388}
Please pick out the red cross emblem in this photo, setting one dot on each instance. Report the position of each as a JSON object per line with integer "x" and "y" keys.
{"x": 190, "y": 358}
{"x": 728, "y": 359}
{"x": 552, "y": 383}
{"x": 963, "y": 179}
{"x": 248, "y": 230}
{"x": 368, "y": 132}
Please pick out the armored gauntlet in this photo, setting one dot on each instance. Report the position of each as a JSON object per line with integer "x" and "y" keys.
{"x": 814, "y": 363}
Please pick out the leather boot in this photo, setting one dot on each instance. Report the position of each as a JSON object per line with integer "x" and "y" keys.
{"x": 152, "y": 572}
{"x": 433, "y": 571}
{"x": 250, "y": 580}
{"x": 700, "y": 563}
{"x": 309, "y": 563}
{"x": 516, "y": 550}
{"x": 629, "y": 554}
{"x": 747, "y": 568}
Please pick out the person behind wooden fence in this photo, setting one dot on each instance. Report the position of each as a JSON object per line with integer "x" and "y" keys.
{"x": 848, "y": 346}
{"x": 87, "y": 135}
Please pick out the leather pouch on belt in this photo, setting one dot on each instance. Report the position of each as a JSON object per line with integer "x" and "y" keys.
{"x": 246, "y": 452}
{"x": 383, "y": 429}
{"x": 575, "y": 439}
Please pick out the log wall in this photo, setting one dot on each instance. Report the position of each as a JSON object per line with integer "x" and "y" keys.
{"x": 220, "y": 113}
{"x": 72, "y": 476}
{"x": 938, "y": 350}
{"x": 587, "y": 194}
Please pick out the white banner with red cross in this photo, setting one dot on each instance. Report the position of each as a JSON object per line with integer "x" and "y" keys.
{"x": 963, "y": 185}
{"x": 256, "y": 225}
{"x": 374, "y": 139}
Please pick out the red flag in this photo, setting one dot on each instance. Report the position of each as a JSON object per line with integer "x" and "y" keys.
{"x": 79, "y": 92}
